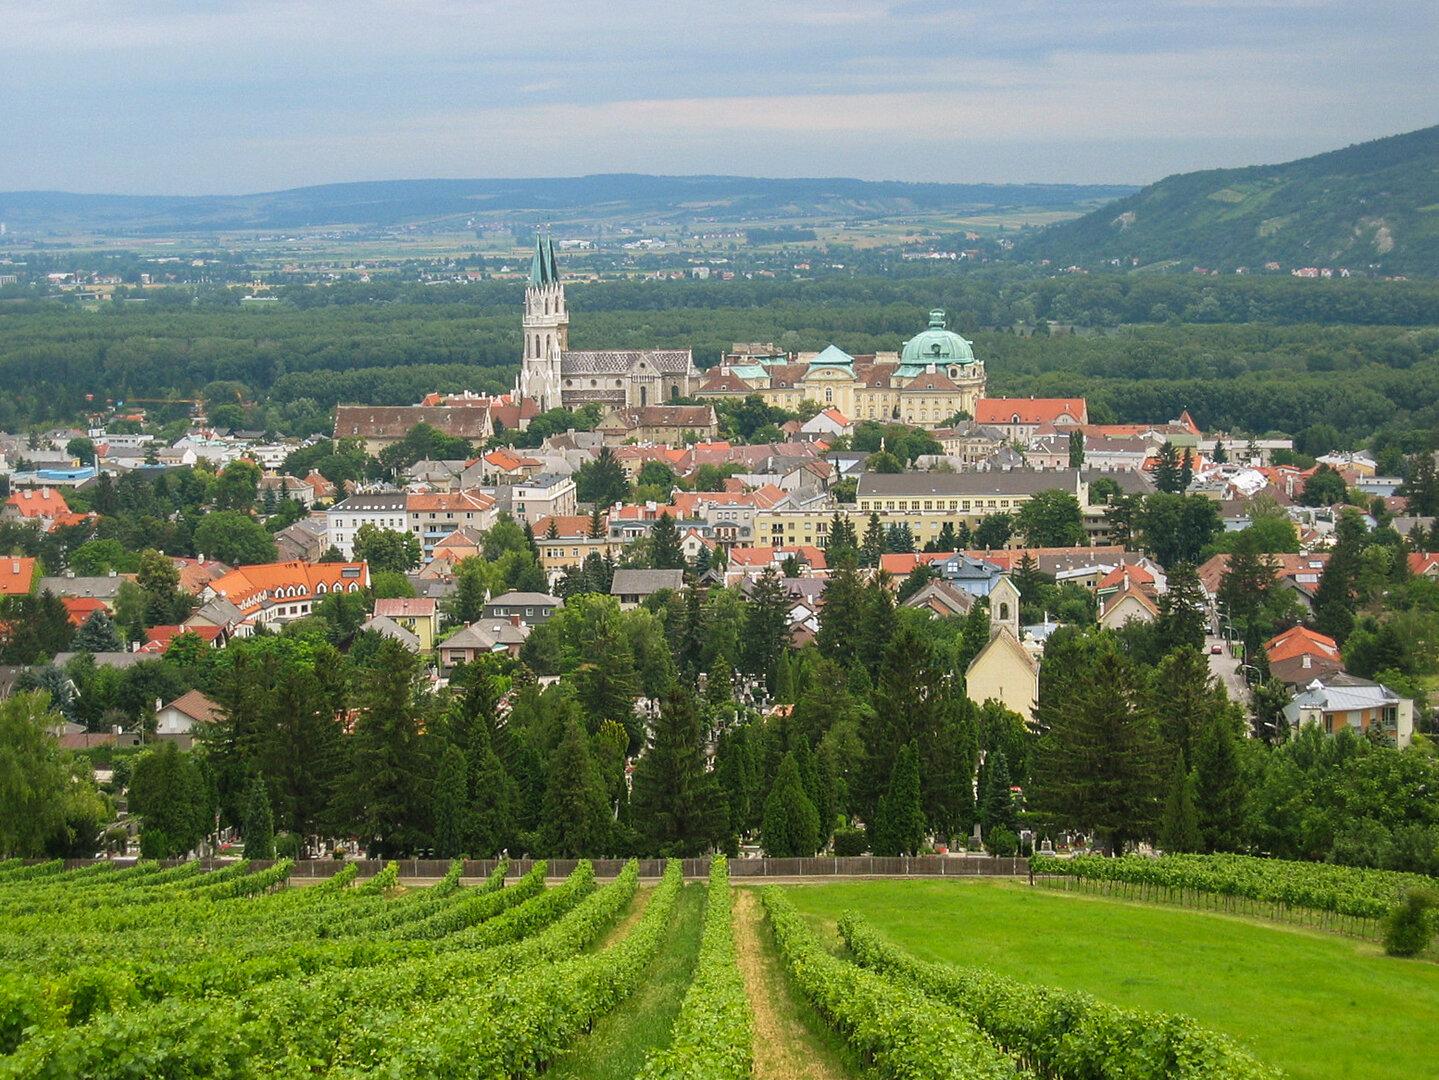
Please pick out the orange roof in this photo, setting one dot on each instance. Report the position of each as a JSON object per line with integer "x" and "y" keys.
{"x": 766, "y": 555}
{"x": 17, "y": 574}
{"x": 566, "y": 525}
{"x": 195, "y": 574}
{"x": 80, "y": 608}
{"x": 197, "y": 706}
{"x": 900, "y": 564}
{"x": 400, "y": 607}
{"x": 1423, "y": 562}
{"x": 1029, "y": 410}
{"x": 158, "y": 639}
{"x": 44, "y": 503}
{"x": 1124, "y": 576}
{"x": 449, "y": 501}
{"x": 251, "y": 588}
{"x": 1299, "y": 641}
{"x": 507, "y": 459}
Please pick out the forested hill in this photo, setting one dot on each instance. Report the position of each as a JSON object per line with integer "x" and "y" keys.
{"x": 1376, "y": 203}
{"x": 582, "y": 198}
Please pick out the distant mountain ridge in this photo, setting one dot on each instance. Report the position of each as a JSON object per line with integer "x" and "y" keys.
{"x": 1371, "y": 204}
{"x": 602, "y": 196}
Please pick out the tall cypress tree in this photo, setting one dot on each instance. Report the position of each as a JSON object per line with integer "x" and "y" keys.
{"x": 677, "y": 803}
{"x": 766, "y": 628}
{"x": 791, "y": 822}
{"x": 997, "y": 802}
{"x": 874, "y": 542}
{"x": 259, "y": 822}
{"x": 1218, "y": 785}
{"x": 1179, "y": 827}
{"x": 841, "y": 616}
{"x": 900, "y": 824}
{"x": 450, "y": 804}
{"x": 576, "y": 819}
{"x": 665, "y": 551}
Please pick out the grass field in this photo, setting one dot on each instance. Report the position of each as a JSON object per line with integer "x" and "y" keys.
{"x": 1311, "y": 1003}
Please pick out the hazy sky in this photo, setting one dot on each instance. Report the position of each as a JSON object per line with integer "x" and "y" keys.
{"x": 193, "y": 96}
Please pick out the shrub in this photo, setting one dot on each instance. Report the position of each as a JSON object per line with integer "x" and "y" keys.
{"x": 850, "y": 841}
{"x": 1001, "y": 842}
{"x": 1409, "y": 927}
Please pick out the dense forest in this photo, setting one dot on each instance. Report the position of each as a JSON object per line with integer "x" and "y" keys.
{"x": 1251, "y": 355}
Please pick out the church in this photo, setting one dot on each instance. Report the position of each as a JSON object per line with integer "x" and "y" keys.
{"x": 557, "y": 376}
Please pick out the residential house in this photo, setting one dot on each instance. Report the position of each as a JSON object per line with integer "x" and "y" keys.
{"x": 1299, "y": 655}
{"x": 828, "y": 422}
{"x": 479, "y": 638}
{"x": 432, "y": 517}
{"x": 196, "y": 573}
{"x": 280, "y": 487}
{"x": 382, "y": 509}
{"x": 104, "y": 587}
{"x": 307, "y": 540}
{"x": 43, "y": 506}
{"x": 273, "y": 593}
{"x": 176, "y": 721}
{"x": 419, "y": 615}
{"x": 565, "y": 541}
{"x": 387, "y": 627}
{"x": 1019, "y": 418}
{"x": 530, "y": 608}
{"x": 672, "y": 425}
{"x": 634, "y": 587}
{"x": 941, "y": 599}
{"x": 499, "y": 467}
{"x": 536, "y": 497}
{"x": 1299, "y": 572}
{"x": 1341, "y": 700}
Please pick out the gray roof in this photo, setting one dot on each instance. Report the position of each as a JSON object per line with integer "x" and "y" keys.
{"x": 533, "y": 599}
{"x": 645, "y": 582}
{"x": 99, "y": 588}
{"x": 965, "y": 484}
{"x": 217, "y": 612}
{"x": 384, "y": 501}
{"x": 486, "y": 634}
{"x": 387, "y": 627}
{"x": 108, "y": 659}
{"x": 623, "y": 361}
{"x": 1342, "y": 692}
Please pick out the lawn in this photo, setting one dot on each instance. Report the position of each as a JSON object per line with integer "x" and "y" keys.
{"x": 1314, "y": 1004}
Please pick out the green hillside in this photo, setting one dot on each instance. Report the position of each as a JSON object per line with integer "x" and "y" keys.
{"x": 1371, "y": 205}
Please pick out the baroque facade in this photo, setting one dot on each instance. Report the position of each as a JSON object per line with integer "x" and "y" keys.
{"x": 933, "y": 376}
{"x": 557, "y": 376}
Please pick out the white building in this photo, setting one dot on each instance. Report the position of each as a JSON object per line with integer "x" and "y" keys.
{"x": 382, "y": 509}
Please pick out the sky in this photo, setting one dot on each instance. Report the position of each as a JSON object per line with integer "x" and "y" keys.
{"x": 211, "y": 97}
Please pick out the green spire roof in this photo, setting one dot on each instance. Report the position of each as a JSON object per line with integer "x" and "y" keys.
{"x": 833, "y": 356}
{"x": 543, "y": 268}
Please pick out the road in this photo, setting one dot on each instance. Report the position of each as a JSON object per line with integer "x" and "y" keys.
{"x": 1225, "y": 668}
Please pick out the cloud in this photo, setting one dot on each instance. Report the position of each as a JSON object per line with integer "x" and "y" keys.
{"x": 180, "y": 95}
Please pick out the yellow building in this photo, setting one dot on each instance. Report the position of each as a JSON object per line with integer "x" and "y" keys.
{"x": 419, "y": 615}
{"x": 1004, "y": 670}
{"x": 934, "y": 376}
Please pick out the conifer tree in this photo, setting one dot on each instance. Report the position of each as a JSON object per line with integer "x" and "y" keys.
{"x": 841, "y": 616}
{"x": 576, "y": 819}
{"x": 677, "y": 803}
{"x": 606, "y": 682}
{"x": 449, "y": 807}
{"x": 665, "y": 550}
{"x": 1217, "y": 782}
{"x": 879, "y": 621}
{"x": 1182, "y": 619}
{"x": 997, "y": 802}
{"x": 900, "y": 821}
{"x": 1179, "y": 827}
{"x": 493, "y": 819}
{"x": 97, "y": 635}
{"x": 259, "y": 822}
{"x": 791, "y": 822}
{"x": 766, "y": 627}
{"x": 1098, "y": 766}
{"x": 874, "y": 542}
{"x": 948, "y": 540}
{"x": 841, "y": 548}
{"x": 689, "y": 655}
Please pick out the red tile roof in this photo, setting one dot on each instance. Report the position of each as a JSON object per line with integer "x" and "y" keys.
{"x": 80, "y": 608}
{"x": 1299, "y": 641}
{"x": 251, "y": 588}
{"x": 17, "y": 574}
{"x": 1029, "y": 410}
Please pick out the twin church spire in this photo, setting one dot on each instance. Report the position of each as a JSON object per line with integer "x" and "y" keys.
{"x": 543, "y": 268}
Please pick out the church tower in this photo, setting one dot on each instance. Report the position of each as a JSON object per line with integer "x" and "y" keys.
{"x": 546, "y": 328}
{"x": 1004, "y": 607}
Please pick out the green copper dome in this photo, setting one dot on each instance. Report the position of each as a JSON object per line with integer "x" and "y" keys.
{"x": 936, "y": 345}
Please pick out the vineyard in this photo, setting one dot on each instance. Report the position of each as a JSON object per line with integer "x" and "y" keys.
{"x": 1338, "y": 898}
{"x": 152, "y": 971}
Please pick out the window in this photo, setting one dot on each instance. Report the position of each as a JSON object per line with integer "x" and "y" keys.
{"x": 1004, "y": 612}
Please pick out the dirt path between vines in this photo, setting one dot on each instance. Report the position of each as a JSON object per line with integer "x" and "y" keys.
{"x": 784, "y": 1046}
{"x": 636, "y": 909}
